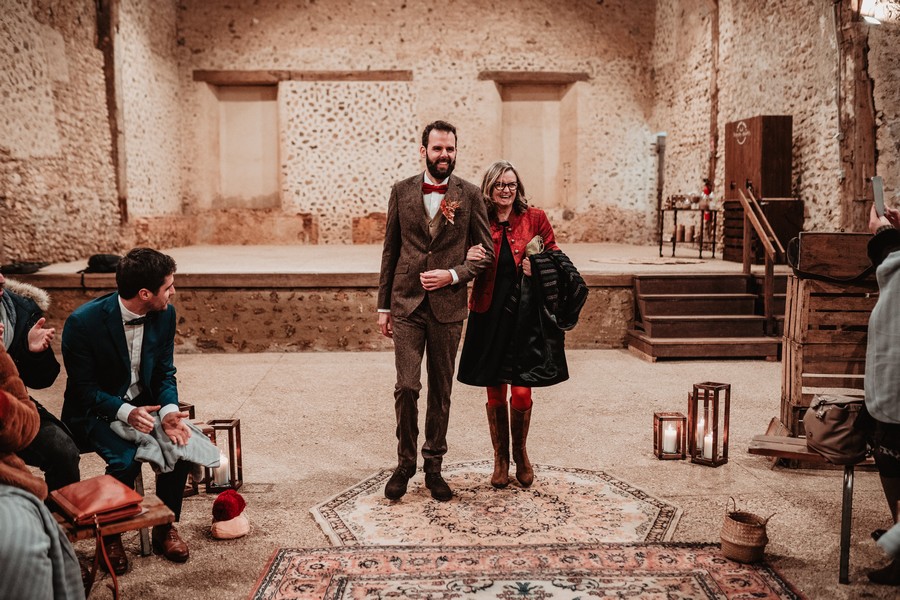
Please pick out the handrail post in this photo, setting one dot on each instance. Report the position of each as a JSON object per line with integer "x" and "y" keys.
{"x": 746, "y": 242}
{"x": 769, "y": 295}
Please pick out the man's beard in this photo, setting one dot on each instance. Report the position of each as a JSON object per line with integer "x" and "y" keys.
{"x": 436, "y": 174}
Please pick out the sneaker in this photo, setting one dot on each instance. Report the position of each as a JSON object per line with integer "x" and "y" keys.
{"x": 396, "y": 485}
{"x": 440, "y": 491}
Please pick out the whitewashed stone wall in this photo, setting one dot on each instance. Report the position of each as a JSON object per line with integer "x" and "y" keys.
{"x": 445, "y": 47}
{"x": 57, "y": 192}
{"x": 647, "y": 62}
{"x": 152, "y": 114}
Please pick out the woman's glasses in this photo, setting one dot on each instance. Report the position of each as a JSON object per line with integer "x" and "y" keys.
{"x": 513, "y": 186}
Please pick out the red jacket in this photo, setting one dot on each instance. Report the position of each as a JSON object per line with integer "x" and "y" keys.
{"x": 522, "y": 227}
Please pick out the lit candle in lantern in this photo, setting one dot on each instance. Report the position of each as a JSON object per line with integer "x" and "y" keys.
{"x": 669, "y": 438}
{"x": 708, "y": 446}
{"x": 699, "y": 432}
{"x": 222, "y": 476}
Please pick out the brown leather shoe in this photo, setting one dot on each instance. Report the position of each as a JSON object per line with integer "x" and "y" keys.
{"x": 116, "y": 552}
{"x": 167, "y": 542}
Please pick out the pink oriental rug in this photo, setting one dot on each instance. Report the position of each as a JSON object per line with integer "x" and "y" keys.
{"x": 564, "y": 505}
{"x": 671, "y": 571}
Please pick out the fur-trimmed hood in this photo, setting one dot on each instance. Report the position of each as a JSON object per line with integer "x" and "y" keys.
{"x": 26, "y": 290}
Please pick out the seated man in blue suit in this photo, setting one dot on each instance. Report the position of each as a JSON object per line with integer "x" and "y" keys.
{"x": 117, "y": 350}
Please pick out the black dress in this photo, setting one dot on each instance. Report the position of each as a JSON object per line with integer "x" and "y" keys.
{"x": 488, "y": 334}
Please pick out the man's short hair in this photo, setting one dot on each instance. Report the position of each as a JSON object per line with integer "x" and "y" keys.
{"x": 440, "y": 126}
{"x": 142, "y": 268}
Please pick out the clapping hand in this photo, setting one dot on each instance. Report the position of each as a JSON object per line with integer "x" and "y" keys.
{"x": 39, "y": 338}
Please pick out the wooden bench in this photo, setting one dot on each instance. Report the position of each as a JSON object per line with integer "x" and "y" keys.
{"x": 155, "y": 513}
{"x": 793, "y": 448}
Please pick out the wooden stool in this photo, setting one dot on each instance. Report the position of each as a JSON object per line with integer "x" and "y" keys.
{"x": 155, "y": 513}
{"x": 793, "y": 448}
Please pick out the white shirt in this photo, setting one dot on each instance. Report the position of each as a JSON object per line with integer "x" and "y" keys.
{"x": 134, "y": 341}
{"x": 432, "y": 205}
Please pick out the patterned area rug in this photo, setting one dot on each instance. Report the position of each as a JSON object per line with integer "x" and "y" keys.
{"x": 558, "y": 571}
{"x": 563, "y": 506}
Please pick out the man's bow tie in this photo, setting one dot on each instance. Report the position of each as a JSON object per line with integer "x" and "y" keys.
{"x": 138, "y": 321}
{"x": 427, "y": 188}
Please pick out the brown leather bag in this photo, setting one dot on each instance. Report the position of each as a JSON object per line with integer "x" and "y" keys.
{"x": 98, "y": 500}
{"x": 829, "y": 423}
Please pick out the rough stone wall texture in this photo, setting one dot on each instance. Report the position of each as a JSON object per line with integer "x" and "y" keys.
{"x": 57, "y": 188}
{"x": 648, "y": 68}
{"x": 445, "y": 47}
{"x": 758, "y": 75}
{"x": 151, "y": 108}
{"x": 322, "y": 319}
{"x": 342, "y": 145}
{"x": 884, "y": 69}
{"x": 681, "y": 66}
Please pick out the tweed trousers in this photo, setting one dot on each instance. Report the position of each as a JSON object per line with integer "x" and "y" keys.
{"x": 420, "y": 333}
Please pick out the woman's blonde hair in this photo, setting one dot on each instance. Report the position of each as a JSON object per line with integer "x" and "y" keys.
{"x": 493, "y": 174}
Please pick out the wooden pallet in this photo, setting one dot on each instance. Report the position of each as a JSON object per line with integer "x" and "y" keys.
{"x": 824, "y": 349}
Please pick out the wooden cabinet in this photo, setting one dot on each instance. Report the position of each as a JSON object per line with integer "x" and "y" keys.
{"x": 758, "y": 152}
{"x": 785, "y": 215}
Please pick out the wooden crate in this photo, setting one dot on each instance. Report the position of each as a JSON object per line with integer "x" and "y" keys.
{"x": 833, "y": 253}
{"x": 826, "y": 313}
{"x": 824, "y": 346}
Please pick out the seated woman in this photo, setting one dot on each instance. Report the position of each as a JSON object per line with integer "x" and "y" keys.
{"x": 34, "y": 553}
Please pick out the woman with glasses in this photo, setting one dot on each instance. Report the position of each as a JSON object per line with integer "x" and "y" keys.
{"x": 486, "y": 358}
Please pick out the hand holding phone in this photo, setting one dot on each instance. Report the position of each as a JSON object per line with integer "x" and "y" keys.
{"x": 878, "y": 191}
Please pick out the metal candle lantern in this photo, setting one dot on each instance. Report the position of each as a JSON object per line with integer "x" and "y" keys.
{"x": 229, "y": 475}
{"x": 707, "y": 423}
{"x": 669, "y": 435}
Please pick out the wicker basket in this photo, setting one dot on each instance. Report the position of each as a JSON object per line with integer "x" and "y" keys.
{"x": 743, "y": 535}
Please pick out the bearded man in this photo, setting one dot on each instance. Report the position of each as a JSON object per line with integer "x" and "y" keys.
{"x": 432, "y": 219}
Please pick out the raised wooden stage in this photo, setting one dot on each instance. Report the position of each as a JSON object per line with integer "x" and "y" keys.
{"x": 322, "y": 298}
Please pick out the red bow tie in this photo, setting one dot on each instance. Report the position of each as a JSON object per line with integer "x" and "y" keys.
{"x": 427, "y": 188}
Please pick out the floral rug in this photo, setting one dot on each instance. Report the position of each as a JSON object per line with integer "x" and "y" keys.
{"x": 564, "y": 505}
{"x": 674, "y": 571}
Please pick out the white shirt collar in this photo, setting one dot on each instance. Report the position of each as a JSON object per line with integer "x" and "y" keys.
{"x": 432, "y": 182}
{"x": 127, "y": 315}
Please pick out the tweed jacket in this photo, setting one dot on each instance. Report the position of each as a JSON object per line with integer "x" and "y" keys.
{"x": 95, "y": 354}
{"x": 412, "y": 246}
{"x": 522, "y": 227}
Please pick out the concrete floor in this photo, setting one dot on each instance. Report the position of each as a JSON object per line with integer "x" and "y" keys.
{"x": 313, "y": 424}
{"x": 591, "y": 259}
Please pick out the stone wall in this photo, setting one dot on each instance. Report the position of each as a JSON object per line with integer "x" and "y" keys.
{"x": 342, "y": 144}
{"x": 240, "y": 319}
{"x": 57, "y": 187}
{"x": 884, "y": 69}
{"x": 152, "y": 113}
{"x": 774, "y": 58}
{"x": 345, "y": 143}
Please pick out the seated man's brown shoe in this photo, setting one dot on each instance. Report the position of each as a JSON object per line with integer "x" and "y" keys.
{"x": 116, "y": 552}
{"x": 167, "y": 542}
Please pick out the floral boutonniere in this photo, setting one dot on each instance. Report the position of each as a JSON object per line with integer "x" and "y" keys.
{"x": 448, "y": 209}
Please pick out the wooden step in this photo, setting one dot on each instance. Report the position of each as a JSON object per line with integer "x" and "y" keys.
{"x": 780, "y": 283}
{"x": 651, "y": 305}
{"x": 702, "y": 326}
{"x": 710, "y": 283}
{"x": 702, "y": 348}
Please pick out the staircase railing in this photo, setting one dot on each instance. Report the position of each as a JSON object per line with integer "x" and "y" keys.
{"x": 754, "y": 217}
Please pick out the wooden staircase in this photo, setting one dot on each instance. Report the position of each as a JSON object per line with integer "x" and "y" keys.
{"x": 704, "y": 316}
